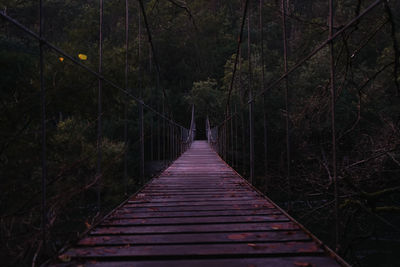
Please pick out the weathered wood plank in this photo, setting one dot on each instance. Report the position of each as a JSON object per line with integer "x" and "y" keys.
{"x": 195, "y": 228}
{"x": 233, "y": 262}
{"x": 199, "y": 208}
{"x": 193, "y": 220}
{"x": 226, "y": 237}
{"x": 184, "y": 251}
{"x": 131, "y": 213}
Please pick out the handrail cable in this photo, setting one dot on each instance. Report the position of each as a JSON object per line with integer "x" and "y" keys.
{"x": 309, "y": 56}
{"x": 237, "y": 54}
{"x": 153, "y": 51}
{"x": 320, "y": 47}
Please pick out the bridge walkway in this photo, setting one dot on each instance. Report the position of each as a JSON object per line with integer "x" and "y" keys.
{"x": 198, "y": 212}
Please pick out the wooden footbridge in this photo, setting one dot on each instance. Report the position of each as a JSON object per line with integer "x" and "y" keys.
{"x": 199, "y": 212}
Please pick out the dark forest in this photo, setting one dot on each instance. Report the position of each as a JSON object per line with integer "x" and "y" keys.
{"x": 87, "y": 119}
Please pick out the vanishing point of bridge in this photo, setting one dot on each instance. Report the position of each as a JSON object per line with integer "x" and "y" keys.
{"x": 199, "y": 212}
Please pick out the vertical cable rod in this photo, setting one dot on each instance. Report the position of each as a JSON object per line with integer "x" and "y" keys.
{"x": 251, "y": 104}
{"x": 126, "y": 97}
{"x": 333, "y": 122}
{"x": 288, "y": 159}
{"x": 99, "y": 109}
{"x": 141, "y": 123}
{"x": 265, "y": 123}
{"x": 43, "y": 125}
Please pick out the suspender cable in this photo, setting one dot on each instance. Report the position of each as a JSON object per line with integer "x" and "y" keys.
{"x": 156, "y": 63}
{"x": 283, "y": 6}
{"x": 264, "y": 96}
{"x": 99, "y": 109}
{"x": 333, "y": 126}
{"x": 43, "y": 126}
{"x": 251, "y": 104}
{"x": 237, "y": 54}
{"x": 126, "y": 97}
{"x": 141, "y": 123}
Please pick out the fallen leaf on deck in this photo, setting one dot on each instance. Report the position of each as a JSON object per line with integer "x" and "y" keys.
{"x": 108, "y": 250}
{"x": 310, "y": 249}
{"x": 64, "y": 258}
{"x": 237, "y": 236}
{"x": 258, "y": 246}
{"x": 303, "y": 264}
{"x": 263, "y": 235}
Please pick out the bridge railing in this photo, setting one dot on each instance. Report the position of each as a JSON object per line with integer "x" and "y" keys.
{"x": 191, "y": 133}
{"x": 302, "y": 138}
{"x": 77, "y": 136}
{"x": 212, "y": 135}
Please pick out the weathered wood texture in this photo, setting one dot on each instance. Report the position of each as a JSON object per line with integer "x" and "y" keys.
{"x": 198, "y": 212}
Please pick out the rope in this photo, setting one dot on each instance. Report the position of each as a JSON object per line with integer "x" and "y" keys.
{"x": 237, "y": 54}
{"x": 153, "y": 50}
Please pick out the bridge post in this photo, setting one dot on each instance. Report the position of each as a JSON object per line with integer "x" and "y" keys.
{"x": 141, "y": 138}
{"x": 181, "y": 141}
{"x": 236, "y": 163}
{"x": 228, "y": 140}
{"x": 231, "y": 139}
{"x": 158, "y": 139}
{"x": 225, "y": 140}
{"x": 164, "y": 136}
{"x": 151, "y": 138}
{"x": 220, "y": 140}
{"x": 178, "y": 140}
{"x": 170, "y": 141}
{"x": 173, "y": 141}
{"x": 244, "y": 133}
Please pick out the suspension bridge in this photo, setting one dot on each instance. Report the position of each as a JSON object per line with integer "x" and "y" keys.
{"x": 198, "y": 210}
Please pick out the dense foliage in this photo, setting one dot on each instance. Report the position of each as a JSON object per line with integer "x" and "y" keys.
{"x": 195, "y": 43}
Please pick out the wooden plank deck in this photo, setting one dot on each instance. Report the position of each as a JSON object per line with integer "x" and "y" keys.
{"x": 198, "y": 212}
